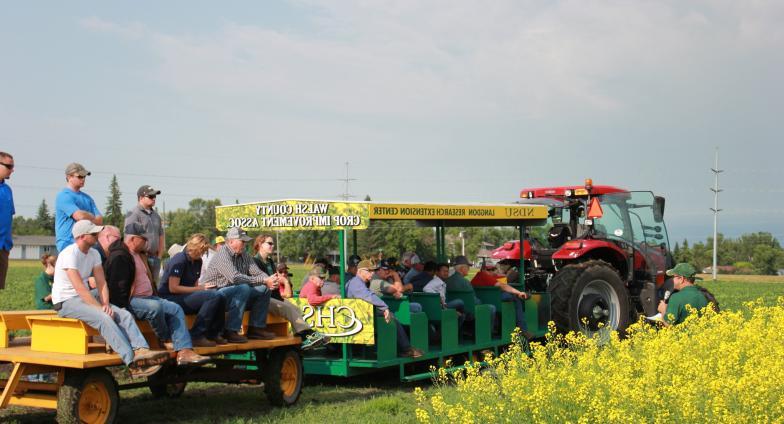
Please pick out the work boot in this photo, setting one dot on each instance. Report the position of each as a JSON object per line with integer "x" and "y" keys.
{"x": 234, "y": 337}
{"x": 203, "y": 342}
{"x": 218, "y": 339}
{"x": 144, "y": 357}
{"x": 143, "y": 371}
{"x": 258, "y": 333}
{"x": 189, "y": 357}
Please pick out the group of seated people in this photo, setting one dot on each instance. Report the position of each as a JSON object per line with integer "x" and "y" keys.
{"x": 371, "y": 282}
{"x": 104, "y": 280}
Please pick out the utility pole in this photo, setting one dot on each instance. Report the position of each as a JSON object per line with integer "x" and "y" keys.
{"x": 346, "y": 196}
{"x": 716, "y": 210}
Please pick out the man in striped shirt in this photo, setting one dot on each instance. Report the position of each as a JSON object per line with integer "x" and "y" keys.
{"x": 243, "y": 285}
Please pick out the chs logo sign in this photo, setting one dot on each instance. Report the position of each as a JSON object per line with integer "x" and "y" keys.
{"x": 344, "y": 320}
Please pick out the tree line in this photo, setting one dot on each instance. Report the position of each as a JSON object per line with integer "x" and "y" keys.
{"x": 756, "y": 253}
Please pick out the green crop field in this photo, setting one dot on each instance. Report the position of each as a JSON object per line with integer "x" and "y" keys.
{"x": 378, "y": 398}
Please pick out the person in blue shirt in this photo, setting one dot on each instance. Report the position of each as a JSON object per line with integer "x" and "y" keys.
{"x": 180, "y": 284}
{"x": 72, "y": 205}
{"x": 7, "y": 212}
{"x": 356, "y": 288}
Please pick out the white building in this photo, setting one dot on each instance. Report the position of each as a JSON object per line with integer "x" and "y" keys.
{"x": 32, "y": 247}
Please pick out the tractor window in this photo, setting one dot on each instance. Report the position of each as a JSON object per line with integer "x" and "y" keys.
{"x": 611, "y": 223}
{"x": 646, "y": 229}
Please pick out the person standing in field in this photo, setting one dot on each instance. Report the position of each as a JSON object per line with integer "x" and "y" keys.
{"x": 145, "y": 214}
{"x": 43, "y": 283}
{"x": 687, "y": 294}
{"x": 72, "y": 205}
{"x": 7, "y": 212}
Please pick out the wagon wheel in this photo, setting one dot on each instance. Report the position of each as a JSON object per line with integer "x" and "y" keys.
{"x": 283, "y": 376}
{"x": 160, "y": 388}
{"x": 89, "y": 396}
{"x": 170, "y": 390}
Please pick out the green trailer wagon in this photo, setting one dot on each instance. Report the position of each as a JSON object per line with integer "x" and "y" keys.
{"x": 375, "y": 347}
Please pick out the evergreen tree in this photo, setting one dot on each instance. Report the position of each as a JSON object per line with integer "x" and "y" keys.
{"x": 114, "y": 215}
{"x": 44, "y": 219}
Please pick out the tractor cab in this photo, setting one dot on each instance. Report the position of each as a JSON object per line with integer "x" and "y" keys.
{"x": 620, "y": 229}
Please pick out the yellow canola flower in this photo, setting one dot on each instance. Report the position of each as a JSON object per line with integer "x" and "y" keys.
{"x": 720, "y": 368}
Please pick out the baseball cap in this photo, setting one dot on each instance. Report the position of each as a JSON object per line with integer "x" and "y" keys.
{"x": 353, "y": 260}
{"x": 461, "y": 260}
{"x": 135, "y": 229}
{"x": 85, "y": 226}
{"x": 146, "y": 190}
{"x": 415, "y": 259}
{"x": 384, "y": 264}
{"x": 367, "y": 264}
{"x": 175, "y": 249}
{"x": 76, "y": 168}
{"x": 334, "y": 270}
{"x": 219, "y": 239}
{"x": 684, "y": 270}
{"x": 237, "y": 233}
{"x": 318, "y": 272}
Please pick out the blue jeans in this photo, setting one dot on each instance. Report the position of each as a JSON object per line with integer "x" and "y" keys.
{"x": 165, "y": 317}
{"x": 209, "y": 307}
{"x": 119, "y": 331}
{"x": 241, "y": 297}
{"x": 519, "y": 310}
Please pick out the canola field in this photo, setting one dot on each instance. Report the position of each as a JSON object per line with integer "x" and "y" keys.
{"x": 724, "y": 368}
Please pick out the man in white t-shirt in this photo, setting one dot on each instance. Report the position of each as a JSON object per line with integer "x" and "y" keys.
{"x": 72, "y": 298}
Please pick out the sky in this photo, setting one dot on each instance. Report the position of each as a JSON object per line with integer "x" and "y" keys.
{"x": 427, "y": 101}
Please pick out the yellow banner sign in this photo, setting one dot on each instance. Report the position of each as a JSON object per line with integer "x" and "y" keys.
{"x": 343, "y": 320}
{"x": 293, "y": 215}
{"x": 449, "y": 212}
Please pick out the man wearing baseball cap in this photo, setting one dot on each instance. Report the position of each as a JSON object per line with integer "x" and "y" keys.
{"x": 72, "y": 298}
{"x": 72, "y": 204}
{"x": 234, "y": 274}
{"x": 145, "y": 215}
{"x": 356, "y": 288}
{"x": 675, "y": 311}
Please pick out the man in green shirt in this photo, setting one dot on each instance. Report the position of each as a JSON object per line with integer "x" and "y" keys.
{"x": 687, "y": 293}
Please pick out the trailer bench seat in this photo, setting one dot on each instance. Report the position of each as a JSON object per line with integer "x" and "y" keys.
{"x": 17, "y": 320}
{"x": 68, "y": 335}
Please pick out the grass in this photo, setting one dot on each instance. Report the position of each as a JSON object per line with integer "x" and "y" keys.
{"x": 377, "y": 398}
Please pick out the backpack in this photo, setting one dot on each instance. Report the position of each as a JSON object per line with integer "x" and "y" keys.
{"x": 712, "y": 302}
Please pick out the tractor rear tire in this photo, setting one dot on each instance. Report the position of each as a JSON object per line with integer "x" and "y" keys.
{"x": 283, "y": 376}
{"x": 588, "y": 296}
{"x": 87, "y": 397}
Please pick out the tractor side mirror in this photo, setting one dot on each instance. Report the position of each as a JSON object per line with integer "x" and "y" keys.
{"x": 658, "y": 209}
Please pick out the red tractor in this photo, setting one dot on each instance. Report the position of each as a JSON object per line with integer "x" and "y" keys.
{"x": 604, "y": 256}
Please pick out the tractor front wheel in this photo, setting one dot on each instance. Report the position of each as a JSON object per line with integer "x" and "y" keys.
{"x": 589, "y": 296}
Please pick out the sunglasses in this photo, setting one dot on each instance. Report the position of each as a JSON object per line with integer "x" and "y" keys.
{"x": 269, "y": 243}
{"x": 151, "y": 197}
{"x": 81, "y": 177}
{"x": 7, "y": 165}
